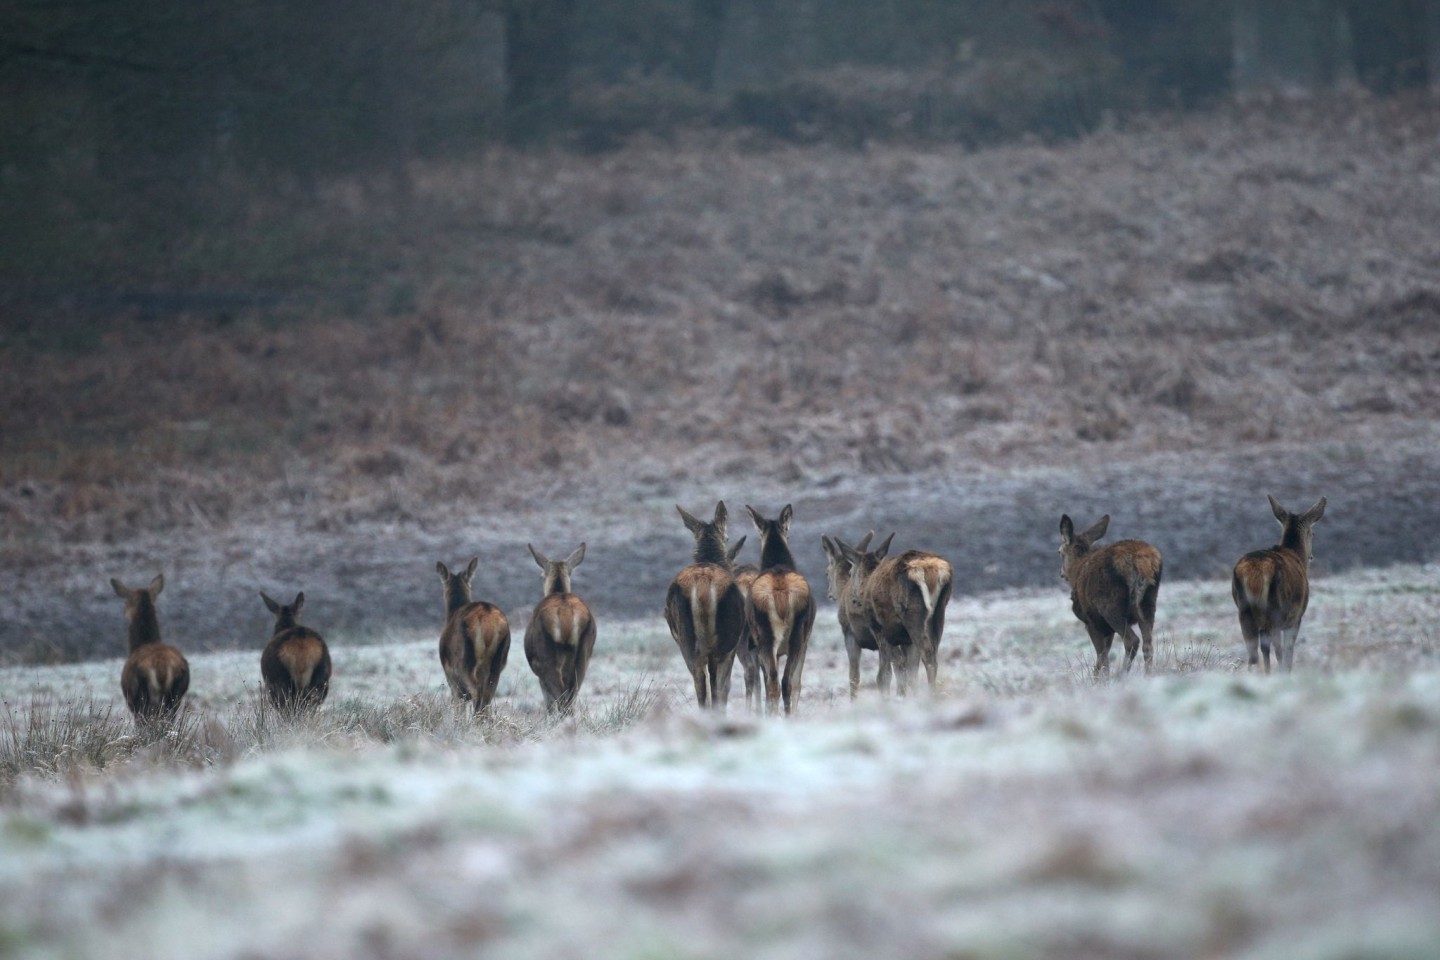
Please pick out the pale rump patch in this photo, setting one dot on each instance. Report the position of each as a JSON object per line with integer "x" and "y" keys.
{"x": 300, "y": 661}
{"x": 155, "y": 688}
{"x": 930, "y": 575}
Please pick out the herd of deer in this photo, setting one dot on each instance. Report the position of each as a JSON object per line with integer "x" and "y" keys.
{"x": 718, "y": 611}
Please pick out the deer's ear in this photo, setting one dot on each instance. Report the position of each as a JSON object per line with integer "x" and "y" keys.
{"x": 1098, "y": 531}
{"x": 735, "y": 549}
{"x": 692, "y": 523}
{"x": 721, "y": 513}
{"x": 270, "y": 605}
{"x": 1281, "y": 514}
{"x": 828, "y": 546}
{"x": 574, "y": 560}
{"x": 1067, "y": 528}
{"x": 755, "y": 517}
{"x": 299, "y": 602}
{"x": 1314, "y": 513}
{"x": 121, "y": 591}
{"x": 470, "y": 568}
{"x": 539, "y": 557}
{"x": 157, "y": 585}
{"x": 884, "y": 547}
{"x": 864, "y": 543}
{"x": 443, "y": 570}
{"x": 785, "y": 516}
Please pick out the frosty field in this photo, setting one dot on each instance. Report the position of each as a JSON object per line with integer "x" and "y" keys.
{"x": 1024, "y": 812}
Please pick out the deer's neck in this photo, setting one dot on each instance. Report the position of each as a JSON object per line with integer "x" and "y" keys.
{"x": 556, "y": 583}
{"x": 1294, "y": 540}
{"x": 285, "y": 622}
{"x": 775, "y": 552}
{"x": 144, "y": 625}
{"x": 454, "y": 600}
{"x": 711, "y": 549}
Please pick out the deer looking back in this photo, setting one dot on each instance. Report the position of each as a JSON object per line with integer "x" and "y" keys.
{"x": 1271, "y": 587}
{"x": 1111, "y": 588}
{"x": 561, "y": 634}
{"x": 782, "y": 611}
{"x": 475, "y": 641}
{"x": 295, "y": 664}
{"x": 156, "y": 675}
{"x": 705, "y": 609}
{"x": 839, "y": 586}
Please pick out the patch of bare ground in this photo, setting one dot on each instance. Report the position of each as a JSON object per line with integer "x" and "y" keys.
{"x": 1163, "y": 321}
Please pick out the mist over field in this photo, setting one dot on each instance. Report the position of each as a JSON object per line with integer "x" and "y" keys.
{"x": 307, "y": 298}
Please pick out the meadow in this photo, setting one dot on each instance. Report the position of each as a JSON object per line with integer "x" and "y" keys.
{"x": 1024, "y": 811}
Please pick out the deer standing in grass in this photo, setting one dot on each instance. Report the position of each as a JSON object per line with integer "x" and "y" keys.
{"x": 782, "y": 611}
{"x": 561, "y": 634}
{"x": 295, "y": 664}
{"x": 839, "y": 586}
{"x": 746, "y": 651}
{"x": 156, "y": 675}
{"x": 475, "y": 641}
{"x": 899, "y": 605}
{"x": 1272, "y": 587}
{"x": 1110, "y": 589}
{"x": 705, "y": 609}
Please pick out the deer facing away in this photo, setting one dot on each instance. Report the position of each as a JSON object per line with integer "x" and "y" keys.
{"x": 1272, "y": 587}
{"x": 1111, "y": 588}
{"x": 705, "y": 609}
{"x": 782, "y": 611}
{"x": 475, "y": 641}
{"x": 156, "y": 675}
{"x": 899, "y": 605}
{"x": 295, "y": 664}
{"x": 561, "y": 634}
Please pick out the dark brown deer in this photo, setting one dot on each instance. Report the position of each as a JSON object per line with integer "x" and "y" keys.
{"x": 475, "y": 641}
{"x": 782, "y": 611}
{"x": 295, "y": 664}
{"x": 705, "y": 609}
{"x": 156, "y": 675}
{"x": 1111, "y": 588}
{"x": 900, "y": 602}
{"x": 561, "y": 634}
{"x": 839, "y": 587}
{"x": 1272, "y": 587}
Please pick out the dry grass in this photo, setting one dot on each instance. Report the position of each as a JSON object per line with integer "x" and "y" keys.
{"x": 553, "y": 314}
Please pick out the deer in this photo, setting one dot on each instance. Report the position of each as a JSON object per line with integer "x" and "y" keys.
{"x": 746, "y": 651}
{"x": 782, "y": 611}
{"x": 898, "y": 604}
{"x": 839, "y": 587}
{"x": 705, "y": 609}
{"x": 1111, "y": 589}
{"x": 295, "y": 665}
{"x": 561, "y": 635}
{"x": 1271, "y": 587}
{"x": 156, "y": 675}
{"x": 475, "y": 641}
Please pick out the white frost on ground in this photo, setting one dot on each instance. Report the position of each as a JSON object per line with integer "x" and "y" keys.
{"x": 1024, "y": 813}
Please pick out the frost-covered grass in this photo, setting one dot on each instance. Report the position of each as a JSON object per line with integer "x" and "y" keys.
{"x": 1025, "y": 812}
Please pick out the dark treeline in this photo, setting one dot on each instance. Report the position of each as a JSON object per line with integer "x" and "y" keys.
{"x": 166, "y": 99}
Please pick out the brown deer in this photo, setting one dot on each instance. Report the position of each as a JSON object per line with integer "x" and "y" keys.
{"x": 705, "y": 609}
{"x": 295, "y": 665}
{"x": 1272, "y": 587}
{"x": 900, "y": 602}
{"x": 156, "y": 675}
{"x": 475, "y": 641}
{"x": 1111, "y": 588}
{"x": 746, "y": 651}
{"x": 839, "y": 587}
{"x": 561, "y": 634}
{"x": 782, "y": 611}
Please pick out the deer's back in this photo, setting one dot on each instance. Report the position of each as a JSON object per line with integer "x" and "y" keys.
{"x": 299, "y": 652}
{"x": 561, "y": 619}
{"x": 1109, "y": 580}
{"x": 474, "y": 632}
{"x": 154, "y": 671}
{"x": 1273, "y": 585}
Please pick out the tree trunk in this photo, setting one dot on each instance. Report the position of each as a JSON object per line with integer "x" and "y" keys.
{"x": 538, "y": 36}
